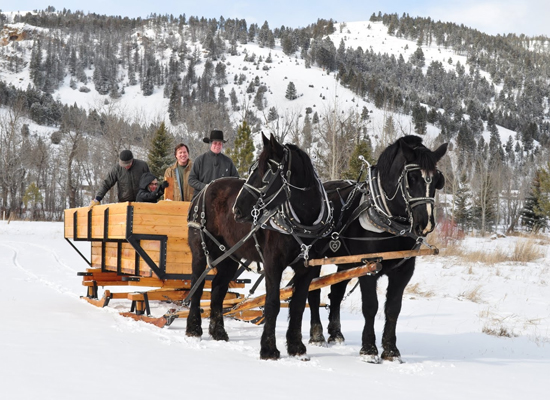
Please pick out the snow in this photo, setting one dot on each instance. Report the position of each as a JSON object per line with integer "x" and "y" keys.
{"x": 56, "y": 345}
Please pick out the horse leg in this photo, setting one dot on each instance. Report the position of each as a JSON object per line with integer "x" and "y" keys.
{"x": 225, "y": 272}
{"x": 268, "y": 342}
{"x": 194, "y": 328}
{"x": 397, "y": 281}
{"x": 336, "y": 295}
{"x": 369, "y": 351}
{"x": 316, "y": 336}
{"x": 294, "y": 344}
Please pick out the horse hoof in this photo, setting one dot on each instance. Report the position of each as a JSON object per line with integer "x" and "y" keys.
{"x": 337, "y": 339}
{"x": 392, "y": 356}
{"x": 301, "y": 357}
{"x": 220, "y": 336}
{"x": 370, "y": 358}
{"x": 395, "y": 360}
{"x": 197, "y": 333}
{"x": 318, "y": 342}
{"x": 270, "y": 355}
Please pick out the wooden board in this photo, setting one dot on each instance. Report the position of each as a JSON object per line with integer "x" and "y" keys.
{"x": 129, "y": 220}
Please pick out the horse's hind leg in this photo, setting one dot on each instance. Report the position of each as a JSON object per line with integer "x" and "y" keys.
{"x": 316, "y": 336}
{"x": 194, "y": 328}
{"x": 225, "y": 272}
{"x": 336, "y": 296}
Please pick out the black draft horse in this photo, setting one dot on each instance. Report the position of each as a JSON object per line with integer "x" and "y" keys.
{"x": 282, "y": 178}
{"x": 405, "y": 179}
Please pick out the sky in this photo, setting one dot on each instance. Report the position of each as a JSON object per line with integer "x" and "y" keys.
{"x": 490, "y": 16}
{"x": 54, "y": 345}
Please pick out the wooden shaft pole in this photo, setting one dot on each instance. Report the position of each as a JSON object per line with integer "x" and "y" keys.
{"x": 390, "y": 255}
{"x": 317, "y": 283}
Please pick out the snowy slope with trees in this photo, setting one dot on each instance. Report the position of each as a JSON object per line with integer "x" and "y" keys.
{"x": 75, "y": 89}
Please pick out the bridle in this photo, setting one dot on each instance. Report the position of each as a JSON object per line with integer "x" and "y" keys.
{"x": 381, "y": 198}
{"x": 263, "y": 201}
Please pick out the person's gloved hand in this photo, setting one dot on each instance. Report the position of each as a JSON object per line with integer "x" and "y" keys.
{"x": 94, "y": 202}
{"x": 165, "y": 184}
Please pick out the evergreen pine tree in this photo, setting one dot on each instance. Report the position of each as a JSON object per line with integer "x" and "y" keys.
{"x": 243, "y": 150}
{"x": 461, "y": 211}
{"x": 160, "y": 154}
{"x": 531, "y": 217}
{"x": 291, "y": 91}
{"x": 363, "y": 148}
{"x": 174, "y": 105}
{"x": 273, "y": 114}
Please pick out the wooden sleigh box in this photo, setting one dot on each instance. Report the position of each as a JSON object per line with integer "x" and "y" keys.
{"x": 139, "y": 239}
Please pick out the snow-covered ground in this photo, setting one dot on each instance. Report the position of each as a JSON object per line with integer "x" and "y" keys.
{"x": 55, "y": 345}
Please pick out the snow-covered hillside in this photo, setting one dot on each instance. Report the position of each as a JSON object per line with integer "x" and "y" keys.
{"x": 316, "y": 88}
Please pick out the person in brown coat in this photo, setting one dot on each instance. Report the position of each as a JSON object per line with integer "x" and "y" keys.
{"x": 180, "y": 172}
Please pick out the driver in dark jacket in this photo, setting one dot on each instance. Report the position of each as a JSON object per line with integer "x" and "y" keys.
{"x": 211, "y": 165}
{"x": 126, "y": 175}
{"x": 149, "y": 189}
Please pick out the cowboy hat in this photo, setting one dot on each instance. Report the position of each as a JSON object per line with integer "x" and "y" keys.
{"x": 214, "y": 135}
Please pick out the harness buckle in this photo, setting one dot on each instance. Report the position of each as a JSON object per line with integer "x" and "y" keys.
{"x": 305, "y": 251}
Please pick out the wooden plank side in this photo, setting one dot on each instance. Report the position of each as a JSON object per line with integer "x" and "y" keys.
{"x": 173, "y": 208}
{"x": 172, "y": 231}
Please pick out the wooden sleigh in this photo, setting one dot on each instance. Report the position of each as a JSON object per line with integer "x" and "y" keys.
{"x": 145, "y": 245}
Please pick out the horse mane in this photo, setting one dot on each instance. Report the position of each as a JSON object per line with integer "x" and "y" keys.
{"x": 308, "y": 168}
{"x": 423, "y": 156}
{"x": 308, "y": 171}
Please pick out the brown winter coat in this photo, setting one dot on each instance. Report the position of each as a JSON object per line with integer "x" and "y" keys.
{"x": 187, "y": 189}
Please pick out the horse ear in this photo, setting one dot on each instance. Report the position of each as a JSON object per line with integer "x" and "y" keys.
{"x": 276, "y": 147}
{"x": 265, "y": 140}
{"x": 440, "y": 152}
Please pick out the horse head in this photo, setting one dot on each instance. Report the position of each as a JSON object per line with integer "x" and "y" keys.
{"x": 408, "y": 177}
{"x": 281, "y": 172}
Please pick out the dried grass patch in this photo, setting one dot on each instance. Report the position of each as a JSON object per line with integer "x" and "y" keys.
{"x": 416, "y": 290}
{"x": 526, "y": 251}
{"x": 474, "y": 294}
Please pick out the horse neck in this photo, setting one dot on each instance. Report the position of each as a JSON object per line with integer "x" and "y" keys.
{"x": 307, "y": 206}
{"x": 391, "y": 195}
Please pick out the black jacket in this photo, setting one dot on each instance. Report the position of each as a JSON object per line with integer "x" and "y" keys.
{"x": 210, "y": 166}
{"x": 144, "y": 195}
{"x": 127, "y": 181}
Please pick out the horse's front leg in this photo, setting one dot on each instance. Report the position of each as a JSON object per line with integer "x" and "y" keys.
{"x": 295, "y": 346}
{"x": 268, "y": 343}
{"x": 225, "y": 272}
{"x": 336, "y": 296}
{"x": 194, "y": 328}
{"x": 369, "y": 351}
{"x": 397, "y": 281}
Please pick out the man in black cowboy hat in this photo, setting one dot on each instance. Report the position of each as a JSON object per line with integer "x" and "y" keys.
{"x": 212, "y": 164}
